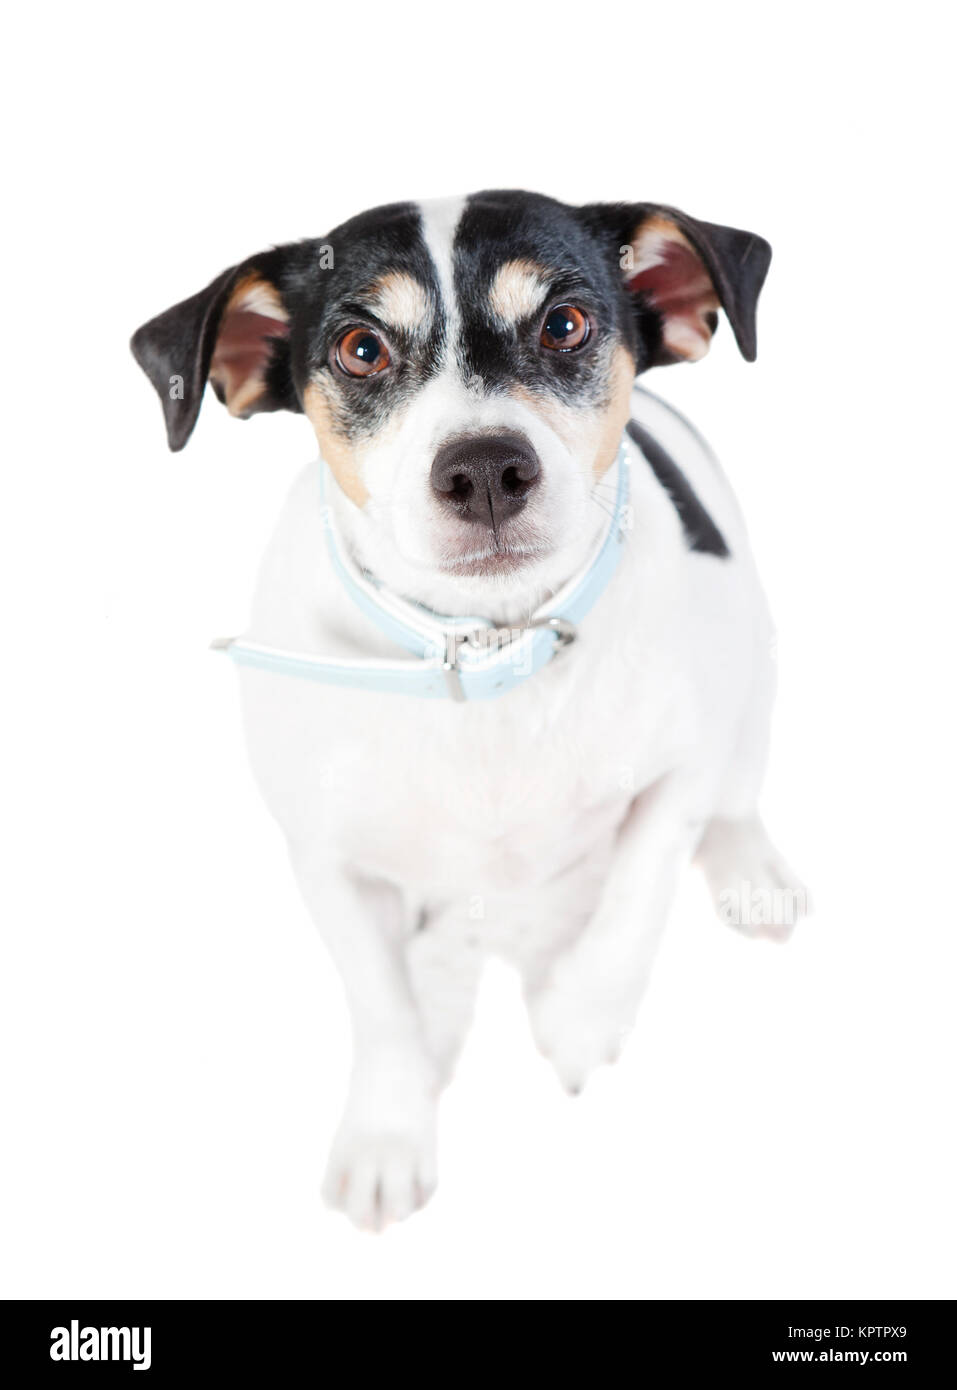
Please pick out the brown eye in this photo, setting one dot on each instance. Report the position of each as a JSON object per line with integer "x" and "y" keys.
{"x": 360, "y": 352}
{"x": 565, "y": 328}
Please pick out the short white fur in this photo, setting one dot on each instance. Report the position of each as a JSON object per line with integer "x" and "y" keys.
{"x": 549, "y": 827}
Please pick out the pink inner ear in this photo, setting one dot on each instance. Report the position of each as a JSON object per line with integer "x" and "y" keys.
{"x": 675, "y": 282}
{"x": 241, "y": 355}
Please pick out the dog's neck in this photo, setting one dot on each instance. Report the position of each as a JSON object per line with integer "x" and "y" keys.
{"x": 505, "y": 600}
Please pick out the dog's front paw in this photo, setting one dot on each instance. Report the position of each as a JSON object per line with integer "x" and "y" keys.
{"x": 379, "y": 1178}
{"x": 382, "y": 1165}
{"x": 580, "y": 1024}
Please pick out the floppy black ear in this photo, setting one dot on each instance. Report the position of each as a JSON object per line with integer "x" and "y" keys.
{"x": 234, "y": 334}
{"x": 680, "y": 271}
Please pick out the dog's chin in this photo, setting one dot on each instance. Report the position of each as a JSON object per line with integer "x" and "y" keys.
{"x": 500, "y": 562}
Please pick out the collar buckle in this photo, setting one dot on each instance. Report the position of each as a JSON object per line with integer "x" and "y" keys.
{"x": 487, "y": 639}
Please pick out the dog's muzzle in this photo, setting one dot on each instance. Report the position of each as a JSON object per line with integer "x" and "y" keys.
{"x": 458, "y": 658}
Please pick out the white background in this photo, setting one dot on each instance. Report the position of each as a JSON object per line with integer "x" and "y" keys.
{"x": 174, "y": 1040}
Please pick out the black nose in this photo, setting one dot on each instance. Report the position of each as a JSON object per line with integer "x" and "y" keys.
{"x": 485, "y": 477}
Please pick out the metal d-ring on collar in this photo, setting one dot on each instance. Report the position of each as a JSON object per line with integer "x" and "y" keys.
{"x": 483, "y": 638}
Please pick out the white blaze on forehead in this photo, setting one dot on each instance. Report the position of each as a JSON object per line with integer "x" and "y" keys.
{"x": 401, "y": 301}
{"x": 517, "y": 290}
{"x": 439, "y": 222}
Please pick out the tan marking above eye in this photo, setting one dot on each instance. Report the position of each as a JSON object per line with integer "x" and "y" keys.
{"x": 400, "y": 301}
{"x": 518, "y": 290}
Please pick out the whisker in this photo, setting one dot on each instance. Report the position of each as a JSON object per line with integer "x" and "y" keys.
{"x": 603, "y": 507}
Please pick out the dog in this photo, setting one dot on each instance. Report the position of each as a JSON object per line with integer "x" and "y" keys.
{"x": 509, "y": 668}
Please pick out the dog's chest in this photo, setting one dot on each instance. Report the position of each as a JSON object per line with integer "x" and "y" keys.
{"x": 482, "y": 797}
{"x": 511, "y": 790}
{"x": 435, "y": 795}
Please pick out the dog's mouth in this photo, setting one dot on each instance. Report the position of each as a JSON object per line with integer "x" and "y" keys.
{"x": 475, "y": 552}
{"x": 492, "y": 561}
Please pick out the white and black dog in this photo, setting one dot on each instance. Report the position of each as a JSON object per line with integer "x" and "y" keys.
{"x": 509, "y": 667}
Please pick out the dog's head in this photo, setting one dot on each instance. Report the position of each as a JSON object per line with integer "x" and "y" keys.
{"x": 466, "y": 366}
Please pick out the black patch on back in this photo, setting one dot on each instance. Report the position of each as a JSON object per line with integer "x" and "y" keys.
{"x": 700, "y": 531}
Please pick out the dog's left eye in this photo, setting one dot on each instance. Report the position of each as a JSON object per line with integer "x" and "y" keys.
{"x": 565, "y": 328}
{"x": 360, "y": 352}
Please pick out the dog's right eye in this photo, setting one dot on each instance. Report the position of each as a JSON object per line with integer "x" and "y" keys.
{"x": 360, "y": 352}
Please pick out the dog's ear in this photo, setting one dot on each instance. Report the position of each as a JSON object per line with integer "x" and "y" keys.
{"x": 233, "y": 334}
{"x": 680, "y": 271}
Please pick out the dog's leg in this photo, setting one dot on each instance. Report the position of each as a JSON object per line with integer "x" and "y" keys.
{"x": 586, "y": 1005}
{"x": 445, "y": 960}
{"x": 382, "y": 1164}
{"x": 753, "y": 886}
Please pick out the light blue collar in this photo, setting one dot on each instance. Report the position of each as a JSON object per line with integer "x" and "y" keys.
{"x": 452, "y": 658}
